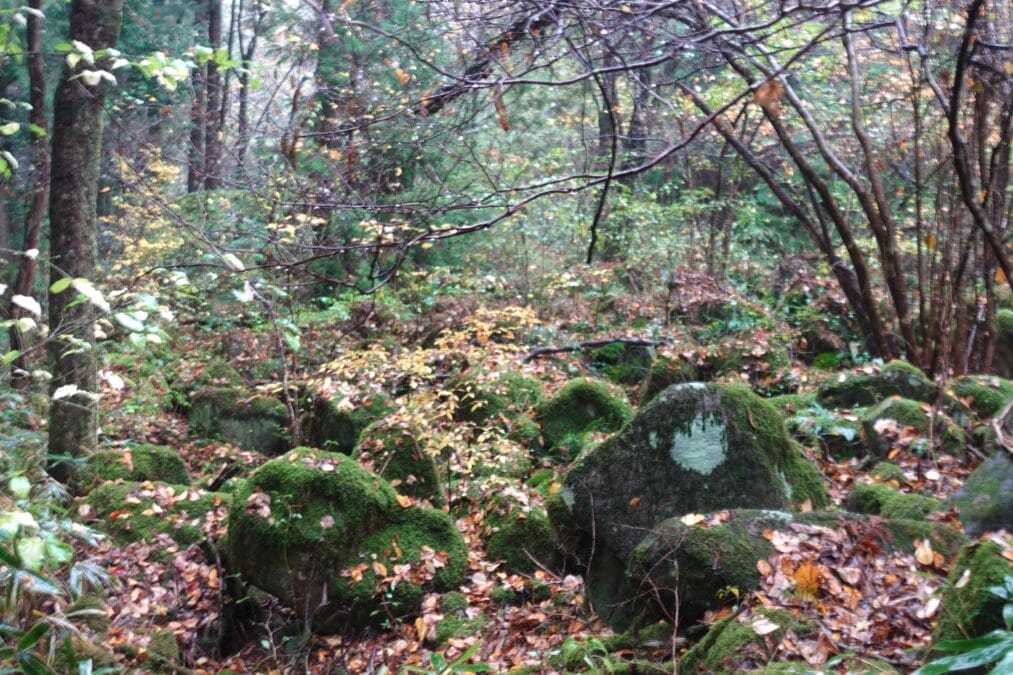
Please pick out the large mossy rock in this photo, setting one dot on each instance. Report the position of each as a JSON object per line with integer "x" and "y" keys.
{"x": 333, "y": 424}
{"x": 897, "y": 378}
{"x": 581, "y": 405}
{"x": 985, "y": 501}
{"x": 986, "y": 395}
{"x": 397, "y": 452}
{"x": 139, "y": 463}
{"x": 252, "y": 422}
{"x": 696, "y": 448}
{"x": 968, "y": 609}
{"x": 139, "y": 511}
{"x": 884, "y": 423}
{"x": 332, "y": 541}
{"x": 519, "y": 534}
{"x": 682, "y": 569}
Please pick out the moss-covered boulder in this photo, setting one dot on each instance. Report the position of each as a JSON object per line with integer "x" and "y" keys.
{"x": 335, "y": 424}
{"x": 732, "y": 645}
{"x": 986, "y": 395}
{"x": 397, "y": 453}
{"x": 696, "y": 448}
{"x": 836, "y": 434}
{"x": 519, "y": 535}
{"x": 253, "y": 422}
{"x": 332, "y": 541}
{"x": 581, "y": 405}
{"x": 1002, "y": 363}
{"x": 985, "y": 501}
{"x": 968, "y": 609}
{"x": 908, "y": 423}
{"x": 139, "y": 511}
{"x": 885, "y": 500}
{"x": 897, "y": 378}
{"x": 139, "y": 463}
{"x": 662, "y": 374}
{"x": 687, "y": 567}
{"x": 621, "y": 362}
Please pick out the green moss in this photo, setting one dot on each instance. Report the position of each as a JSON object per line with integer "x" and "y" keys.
{"x": 329, "y": 426}
{"x": 454, "y": 601}
{"x": 884, "y": 500}
{"x": 399, "y": 456}
{"x": 520, "y": 537}
{"x": 662, "y": 374}
{"x": 215, "y": 374}
{"x": 459, "y": 627}
{"x": 939, "y": 429}
{"x": 968, "y": 609}
{"x": 727, "y": 642}
{"x": 887, "y": 471}
{"x": 897, "y": 378}
{"x": 138, "y": 464}
{"x": 902, "y": 535}
{"x": 315, "y": 520}
{"x": 521, "y": 392}
{"x": 251, "y": 422}
{"x": 580, "y": 405}
{"x": 476, "y": 404}
{"x": 792, "y": 404}
{"x": 986, "y": 497}
{"x": 137, "y": 511}
{"x": 985, "y": 394}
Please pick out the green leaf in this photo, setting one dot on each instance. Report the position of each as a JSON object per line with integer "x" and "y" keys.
{"x": 9, "y": 128}
{"x": 33, "y": 635}
{"x": 9, "y": 357}
{"x": 129, "y": 322}
{"x": 979, "y": 652}
{"x": 32, "y": 551}
{"x": 60, "y": 285}
{"x": 20, "y": 486}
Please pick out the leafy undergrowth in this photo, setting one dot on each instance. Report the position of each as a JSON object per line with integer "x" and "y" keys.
{"x": 860, "y": 600}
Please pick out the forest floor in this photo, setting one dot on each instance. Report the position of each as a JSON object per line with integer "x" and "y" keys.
{"x": 870, "y": 605}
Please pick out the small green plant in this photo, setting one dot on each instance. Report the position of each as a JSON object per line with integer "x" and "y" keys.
{"x": 996, "y": 648}
{"x": 592, "y": 652}
{"x": 439, "y": 666}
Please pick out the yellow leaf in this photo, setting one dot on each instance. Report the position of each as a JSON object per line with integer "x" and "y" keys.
{"x": 807, "y": 581}
{"x": 420, "y": 628}
{"x": 634, "y": 501}
{"x": 692, "y": 519}
{"x": 930, "y": 241}
{"x": 1000, "y": 276}
{"x": 379, "y": 569}
{"x": 923, "y": 552}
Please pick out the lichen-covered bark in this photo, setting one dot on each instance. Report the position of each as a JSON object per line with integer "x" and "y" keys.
{"x": 77, "y": 140}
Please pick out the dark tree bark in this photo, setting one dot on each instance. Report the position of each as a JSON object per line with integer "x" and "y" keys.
{"x": 36, "y": 215}
{"x": 77, "y": 142}
{"x": 214, "y": 114}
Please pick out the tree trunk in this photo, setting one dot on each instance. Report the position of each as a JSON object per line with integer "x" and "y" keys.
{"x": 77, "y": 142}
{"x": 214, "y": 114}
{"x": 36, "y": 215}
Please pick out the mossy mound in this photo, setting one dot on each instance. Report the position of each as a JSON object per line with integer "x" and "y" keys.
{"x": 581, "y": 405}
{"x": 184, "y": 385}
{"x": 139, "y": 463}
{"x": 138, "y": 511}
{"x": 662, "y": 374}
{"x": 312, "y": 526}
{"x": 986, "y": 395}
{"x": 936, "y": 431}
{"x": 520, "y": 536}
{"x": 456, "y": 623}
{"x": 985, "y": 500}
{"x": 897, "y": 378}
{"x": 397, "y": 452}
{"x": 968, "y": 609}
{"x": 477, "y": 404}
{"x": 733, "y": 646}
{"x": 888, "y": 472}
{"x": 252, "y": 422}
{"x": 884, "y": 500}
{"x": 621, "y": 362}
{"x": 686, "y": 566}
{"x": 793, "y": 404}
{"x": 332, "y": 425}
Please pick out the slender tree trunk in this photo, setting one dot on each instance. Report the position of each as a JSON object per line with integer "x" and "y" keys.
{"x": 214, "y": 113}
{"x": 36, "y": 215}
{"x": 196, "y": 158}
{"x": 77, "y": 144}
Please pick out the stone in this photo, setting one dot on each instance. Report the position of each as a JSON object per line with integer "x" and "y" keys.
{"x": 937, "y": 431}
{"x": 137, "y": 464}
{"x": 897, "y": 378}
{"x": 397, "y": 452}
{"x": 332, "y": 541}
{"x": 329, "y": 424}
{"x": 252, "y": 422}
{"x": 581, "y": 405}
{"x": 986, "y": 395}
{"x": 985, "y": 500}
